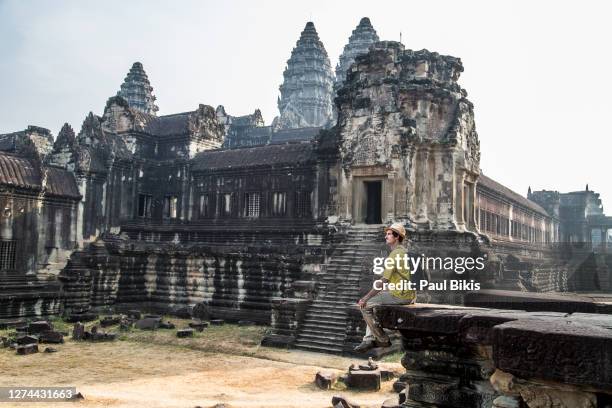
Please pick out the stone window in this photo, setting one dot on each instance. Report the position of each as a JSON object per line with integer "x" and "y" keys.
{"x": 279, "y": 203}
{"x": 302, "y": 204}
{"x": 7, "y": 254}
{"x": 251, "y": 204}
{"x": 144, "y": 205}
{"x": 204, "y": 205}
{"x": 226, "y": 204}
{"x": 171, "y": 206}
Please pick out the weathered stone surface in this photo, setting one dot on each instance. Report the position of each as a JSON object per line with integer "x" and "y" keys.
{"x": 217, "y": 322}
{"x": 246, "y": 323}
{"x": 564, "y": 351}
{"x": 54, "y": 337}
{"x": 39, "y": 327}
{"x": 27, "y": 349}
{"x": 184, "y": 333}
{"x": 78, "y": 331}
{"x": 166, "y": 325}
{"x": 147, "y": 323}
{"x": 199, "y": 326}
{"x": 364, "y": 380}
{"x": 531, "y": 302}
{"x": 325, "y": 380}
{"x": 50, "y": 350}
{"x": 26, "y": 339}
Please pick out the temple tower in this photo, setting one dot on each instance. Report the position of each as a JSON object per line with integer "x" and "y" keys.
{"x": 137, "y": 90}
{"x": 359, "y": 42}
{"x": 307, "y": 89}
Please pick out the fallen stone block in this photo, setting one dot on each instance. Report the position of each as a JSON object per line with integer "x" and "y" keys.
{"x": 339, "y": 401}
{"x": 108, "y": 321}
{"x": 78, "y": 331}
{"x": 53, "y": 337}
{"x": 152, "y": 316}
{"x": 50, "y": 350}
{"x": 325, "y": 380}
{"x": 147, "y": 324}
{"x": 166, "y": 325}
{"x": 26, "y": 339}
{"x": 27, "y": 349}
{"x": 39, "y": 327}
{"x": 217, "y": 322}
{"x": 505, "y": 401}
{"x": 364, "y": 380}
{"x": 199, "y": 326}
{"x": 21, "y": 329}
{"x": 182, "y": 333}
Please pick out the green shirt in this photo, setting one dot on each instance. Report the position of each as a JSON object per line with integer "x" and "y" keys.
{"x": 397, "y": 273}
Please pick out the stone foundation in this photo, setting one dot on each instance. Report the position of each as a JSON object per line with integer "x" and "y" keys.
{"x": 477, "y": 357}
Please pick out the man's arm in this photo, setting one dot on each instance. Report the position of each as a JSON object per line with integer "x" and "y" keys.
{"x": 363, "y": 302}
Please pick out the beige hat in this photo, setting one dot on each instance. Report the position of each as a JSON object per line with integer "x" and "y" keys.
{"x": 397, "y": 227}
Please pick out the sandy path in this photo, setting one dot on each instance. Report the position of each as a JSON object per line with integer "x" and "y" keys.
{"x": 133, "y": 374}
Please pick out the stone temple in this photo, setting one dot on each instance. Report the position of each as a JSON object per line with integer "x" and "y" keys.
{"x": 279, "y": 223}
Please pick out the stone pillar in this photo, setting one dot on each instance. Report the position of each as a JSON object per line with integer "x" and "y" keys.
{"x": 460, "y": 199}
{"x": 422, "y": 193}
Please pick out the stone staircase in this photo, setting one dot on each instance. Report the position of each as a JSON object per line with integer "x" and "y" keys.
{"x": 325, "y": 326}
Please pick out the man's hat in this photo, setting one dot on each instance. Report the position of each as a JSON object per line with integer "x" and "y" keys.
{"x": 397, "y": 227}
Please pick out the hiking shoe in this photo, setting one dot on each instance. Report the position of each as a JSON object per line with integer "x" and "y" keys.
{"x": 365, "y": 346}
{"x": 384, "y": 344}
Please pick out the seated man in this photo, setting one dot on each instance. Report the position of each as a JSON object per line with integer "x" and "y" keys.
{"x": 375, "y": 335}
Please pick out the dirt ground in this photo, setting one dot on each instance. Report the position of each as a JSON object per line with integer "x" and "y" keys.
{"x": 223, "y": 364}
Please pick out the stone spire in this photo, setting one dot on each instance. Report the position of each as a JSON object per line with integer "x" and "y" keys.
{"x": 137, "y": 90}
{"x": 307, "y": 89}
{"x": 360, "y": 40}
{"x": 66, "y": 138}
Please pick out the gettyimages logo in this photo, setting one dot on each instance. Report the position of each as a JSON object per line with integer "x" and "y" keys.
{"x": 413, "y": 264}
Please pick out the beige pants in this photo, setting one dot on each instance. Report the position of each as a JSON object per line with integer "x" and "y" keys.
{"x": 374, "y": 331}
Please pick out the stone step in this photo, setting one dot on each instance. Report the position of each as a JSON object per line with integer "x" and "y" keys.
{"x": 322, "y": 335}
{"x": 324, "y": 325}
{"x": 328, "y": 343}
{"x": 318, "y": 348}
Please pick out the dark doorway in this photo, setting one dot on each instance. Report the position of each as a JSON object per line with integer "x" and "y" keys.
{"x": 373, "y": 192}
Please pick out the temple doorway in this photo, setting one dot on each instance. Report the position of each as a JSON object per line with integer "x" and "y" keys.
{"x": 373, "y": 202}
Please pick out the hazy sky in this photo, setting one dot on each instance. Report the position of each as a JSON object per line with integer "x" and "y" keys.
{"x": 538, "y": 73}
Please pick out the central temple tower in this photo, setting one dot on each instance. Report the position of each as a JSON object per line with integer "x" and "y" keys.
{"x": 307, "y": 90}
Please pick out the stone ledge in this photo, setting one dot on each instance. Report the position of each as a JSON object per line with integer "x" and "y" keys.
{"x": 572, "y": 349}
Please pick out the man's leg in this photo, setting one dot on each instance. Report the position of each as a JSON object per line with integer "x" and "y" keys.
{"x": 374, "y": 331}
{"x": 375, "y": 335}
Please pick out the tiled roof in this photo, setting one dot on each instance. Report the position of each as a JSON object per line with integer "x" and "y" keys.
{"x": 504, "y": 191}
{"x": 294, "y": 135}
{"x": 20, "y": 172}
{"x": 169, "y": 125}
{"x": 254, "y": 156}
